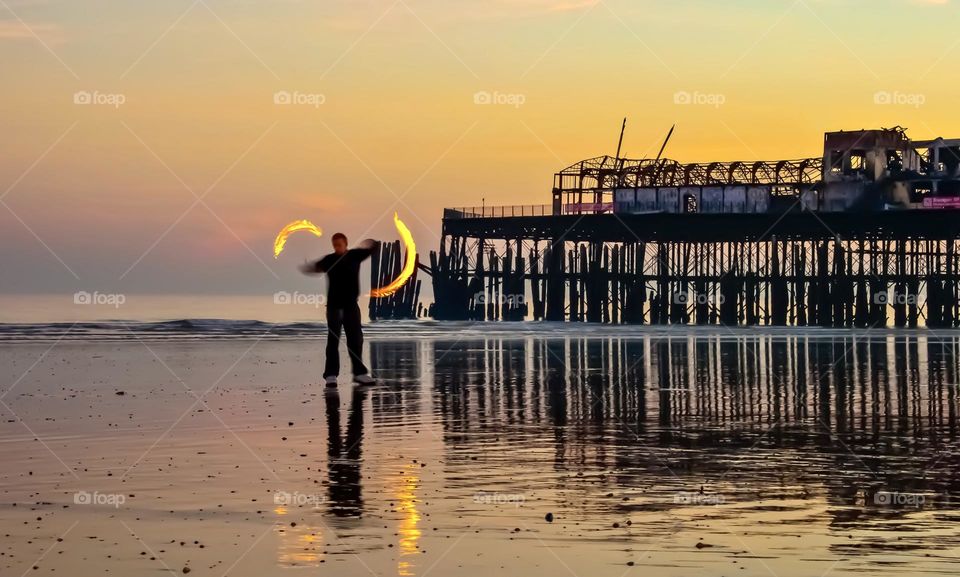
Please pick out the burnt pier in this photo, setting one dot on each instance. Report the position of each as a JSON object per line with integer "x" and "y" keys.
{"x": 868, "y": 235}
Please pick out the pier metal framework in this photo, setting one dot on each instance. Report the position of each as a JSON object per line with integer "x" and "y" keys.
{"x": 798, "y": 268}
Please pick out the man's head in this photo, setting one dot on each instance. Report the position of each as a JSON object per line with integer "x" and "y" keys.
{"x": 339, "y": 241}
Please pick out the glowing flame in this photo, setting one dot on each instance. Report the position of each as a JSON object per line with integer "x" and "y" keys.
{"x": 408, "y": 266}
{"x": 291, "y": 228}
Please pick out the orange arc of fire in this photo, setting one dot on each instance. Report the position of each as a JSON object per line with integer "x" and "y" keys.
{"x": 291, "y": 228}
{"x": 408, "y": 266}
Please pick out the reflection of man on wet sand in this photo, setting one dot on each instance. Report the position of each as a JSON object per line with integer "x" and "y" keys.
{"x": 343, "y": 455}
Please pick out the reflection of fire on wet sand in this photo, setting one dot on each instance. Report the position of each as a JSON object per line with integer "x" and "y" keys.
{"x": 298, "y": 544}
{"x": 408, "y": 527}
{"x": 301, "y": 544}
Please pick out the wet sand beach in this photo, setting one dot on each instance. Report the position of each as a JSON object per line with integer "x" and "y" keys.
{"x": 130, "y": 451}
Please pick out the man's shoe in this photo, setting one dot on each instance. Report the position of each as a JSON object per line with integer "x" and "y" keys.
{"x": 331, "y": 380}
{"x": 364, "y": 380}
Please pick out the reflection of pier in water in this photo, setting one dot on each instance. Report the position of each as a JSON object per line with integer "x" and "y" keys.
{"x": 839, "y": 417}
{"x": 900, "y": 384}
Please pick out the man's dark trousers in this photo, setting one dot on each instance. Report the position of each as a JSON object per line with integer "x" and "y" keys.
{"x": 347, "y": 318}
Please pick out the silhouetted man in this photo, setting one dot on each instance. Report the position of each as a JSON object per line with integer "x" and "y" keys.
{"x": 343, "y": 289}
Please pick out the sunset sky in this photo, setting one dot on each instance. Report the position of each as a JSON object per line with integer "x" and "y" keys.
{"x": 104, "y": 195}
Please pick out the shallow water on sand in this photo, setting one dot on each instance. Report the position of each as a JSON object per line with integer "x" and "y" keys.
{"x": 669, "y": 453}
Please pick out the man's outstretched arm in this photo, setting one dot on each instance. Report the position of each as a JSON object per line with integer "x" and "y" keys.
{"x": 365, "y": 248}
{"x": 314, "y": 267}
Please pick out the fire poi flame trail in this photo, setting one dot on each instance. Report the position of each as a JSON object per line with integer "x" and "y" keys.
{"x": 291, "y": 228}
{"x": 408, "y": 266}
